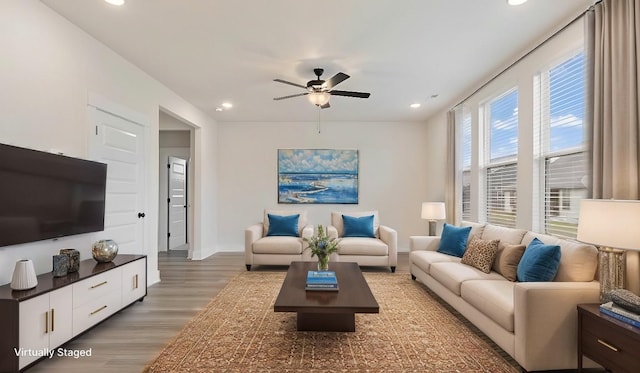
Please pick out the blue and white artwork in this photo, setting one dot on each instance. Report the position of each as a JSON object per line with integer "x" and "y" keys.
{"x": 318, "y": 176}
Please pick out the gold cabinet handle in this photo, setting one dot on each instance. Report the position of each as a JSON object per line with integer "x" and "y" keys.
{"x": 46, "y": 322}
{"x": 136, "y": 281}
{"x": 53, "y": 318}
{"x": 100, "y": 284}
{"x": 607, "y": 345}
{"x": 98, "y": 310}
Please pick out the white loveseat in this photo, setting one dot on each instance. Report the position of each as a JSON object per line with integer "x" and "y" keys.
{"x": 380, "y": 250}
{"x": 262, "y": 249}
{"x": 534, "y": 322}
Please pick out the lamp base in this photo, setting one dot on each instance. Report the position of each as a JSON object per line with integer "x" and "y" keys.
{"x": 432, "y": 227}
{"x": 612, "y": 267}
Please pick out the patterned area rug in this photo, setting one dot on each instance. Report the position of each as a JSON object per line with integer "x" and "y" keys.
{"x": 238, "y": 331}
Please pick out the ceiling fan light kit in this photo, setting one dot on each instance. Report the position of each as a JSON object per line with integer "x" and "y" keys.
{"x": 319, "y": 98}
{"x": 320, "y": 91}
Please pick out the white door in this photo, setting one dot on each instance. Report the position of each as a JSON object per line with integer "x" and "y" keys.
{"x": 119, "y": 143}
{"x": 177, "y": 217}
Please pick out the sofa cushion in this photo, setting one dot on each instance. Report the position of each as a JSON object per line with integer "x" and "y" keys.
{"x": 451, "y": 275}
{"x": 362, "y": 246}
{"x": 578, "y": 262}
{"x": 476, "y": 229}
{"x": 453, "y": 240}
{"x": 539, "y": 262}
{"x": 507, "y": 260}
{"x": 336, "y": 220}
{"x": 504, "y": 234}
{"x": 302, "y": 220}
{"x": 283, "y": 225}
{"x": 278, "y": 245}
{"x": 424, "y": 258}
{"x": 494, "y": 298}
{"x": 361, "y": 226}
{"x": 480, "y": 254}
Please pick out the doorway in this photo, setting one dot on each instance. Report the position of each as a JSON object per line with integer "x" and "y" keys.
{"x": 175, "y": 149}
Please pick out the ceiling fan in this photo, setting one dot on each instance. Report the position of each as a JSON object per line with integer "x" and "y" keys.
{"x": 319, "y": 91}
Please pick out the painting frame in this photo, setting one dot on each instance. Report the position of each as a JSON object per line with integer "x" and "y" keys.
{"x": 318, "y": 176}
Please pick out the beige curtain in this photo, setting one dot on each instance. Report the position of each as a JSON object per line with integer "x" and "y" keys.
{"x": 451, "y": 196}
{"x": 615, "y": 137}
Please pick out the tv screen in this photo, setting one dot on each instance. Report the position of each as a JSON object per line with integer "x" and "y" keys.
{"x": 45, "y": 195}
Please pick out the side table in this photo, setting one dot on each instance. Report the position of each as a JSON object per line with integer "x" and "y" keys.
{"x": 609, "y": 342}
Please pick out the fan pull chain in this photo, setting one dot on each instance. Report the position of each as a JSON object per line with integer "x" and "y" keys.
{"x": 319, "y": 119}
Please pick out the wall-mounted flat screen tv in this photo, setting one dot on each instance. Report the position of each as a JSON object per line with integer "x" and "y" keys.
{"x": 45, "y": 195}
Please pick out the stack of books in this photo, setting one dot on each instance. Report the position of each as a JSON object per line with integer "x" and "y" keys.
{"x": 617, "y": 312}
{"x": 322, "y": 280}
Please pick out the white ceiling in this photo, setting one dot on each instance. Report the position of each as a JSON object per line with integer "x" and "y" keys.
{"x": 402, "y": 51}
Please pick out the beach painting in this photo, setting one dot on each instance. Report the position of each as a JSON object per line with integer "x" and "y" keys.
{"x": 318, "y": 176}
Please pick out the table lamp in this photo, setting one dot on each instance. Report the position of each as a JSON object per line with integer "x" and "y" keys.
{"x": 613, "y": 226}
{"x": 433, "y": 211}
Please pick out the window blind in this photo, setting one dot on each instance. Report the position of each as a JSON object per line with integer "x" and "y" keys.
{"x": 466, "y": 164}
{"x": 501, "y": 157}
{"x": 564, "y": 155}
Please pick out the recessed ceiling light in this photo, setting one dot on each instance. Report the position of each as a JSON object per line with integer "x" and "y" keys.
{"x": 115, "y": 2}
{"x": 227, "y": 105}
{"x": 414, "y": 106}
{"x": 218, "y": 109}
{"x": 516, "y": 2}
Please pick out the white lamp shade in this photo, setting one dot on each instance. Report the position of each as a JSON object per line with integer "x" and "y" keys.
{"x": 24, "y": 275}
{"x": 433, "y": 211}
{"x": 611, "y": 223}
{"x": 319, "y": 98}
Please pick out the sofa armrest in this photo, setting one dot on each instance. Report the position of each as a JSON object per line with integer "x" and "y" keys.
{"x": 332, "y": 231}
{"x": 251, "y": 235}
{"x": 390, "y": 237}
{"x": 429, "y": 243}
{"x": 546, "y": 322}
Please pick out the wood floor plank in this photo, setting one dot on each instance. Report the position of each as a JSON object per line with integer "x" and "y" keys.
{"x": 132, "y": 338}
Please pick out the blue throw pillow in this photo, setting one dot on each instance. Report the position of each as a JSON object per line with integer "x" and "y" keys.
{"x": 453, "y": 240}
{"x": 283, "y": 225}
{"x": 539, "y": 262}
{"x": 357, "y": 226}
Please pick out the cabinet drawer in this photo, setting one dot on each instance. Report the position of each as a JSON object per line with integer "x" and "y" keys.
{"x": 96, "y": 287}
{"x": 612, "y": 347}
{"x": 94, "y": 311}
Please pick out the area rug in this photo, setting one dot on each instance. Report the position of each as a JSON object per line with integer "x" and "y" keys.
{"x": 238, "y": 331}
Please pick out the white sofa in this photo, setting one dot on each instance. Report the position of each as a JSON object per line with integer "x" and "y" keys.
{"x": 534, "y": 322}
{"x": 261, "y": 249}
{"x": 381, "y": 250}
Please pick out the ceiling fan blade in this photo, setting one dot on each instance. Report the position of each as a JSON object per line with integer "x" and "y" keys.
{"x": 325, "y": 106}
{"x": 290, "y": 96}
{"x": 350, "y": 94}
{"x": 293, "y": 84}
{"x": 335, "y": 80}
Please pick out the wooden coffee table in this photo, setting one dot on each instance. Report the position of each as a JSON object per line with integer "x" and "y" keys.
{"x": 326, "y": 310}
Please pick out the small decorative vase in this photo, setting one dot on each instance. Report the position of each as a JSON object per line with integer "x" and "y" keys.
{"x": 24, "y": 275}
{"x": 60, "y": 265}
{"x": 323, "y": 262}
{"x": 104, "y": 251}
{"x": 74, "y": 259}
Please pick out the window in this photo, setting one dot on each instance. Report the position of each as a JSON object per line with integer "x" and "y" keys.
{"x": 521, "y": 152}
{"x": 501, "y": 156}
{"x": 563, "y": 149}
{"x": 466, "y": 164}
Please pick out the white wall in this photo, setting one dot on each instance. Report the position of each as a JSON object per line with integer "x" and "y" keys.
{"x": 393, "y": 179}
{"x": 48, "y": 69}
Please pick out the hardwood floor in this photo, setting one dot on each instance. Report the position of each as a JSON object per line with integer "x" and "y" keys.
{"x": 132, "y": 338}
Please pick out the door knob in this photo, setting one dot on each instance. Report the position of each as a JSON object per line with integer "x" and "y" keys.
{"x": 141, "y": 215}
